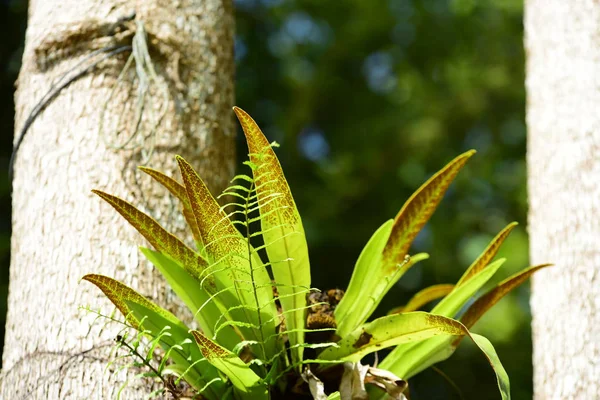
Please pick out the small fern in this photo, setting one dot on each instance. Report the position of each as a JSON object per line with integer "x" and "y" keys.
{"x": 263, "y": 331}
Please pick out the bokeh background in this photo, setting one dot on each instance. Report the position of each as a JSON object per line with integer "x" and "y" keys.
{"x": 368, "y": 99}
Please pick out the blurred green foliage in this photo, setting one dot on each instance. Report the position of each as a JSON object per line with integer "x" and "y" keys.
{"x": 368, "y": 99}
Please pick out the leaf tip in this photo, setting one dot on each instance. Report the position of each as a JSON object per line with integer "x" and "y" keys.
{"x": 240, "y": 113}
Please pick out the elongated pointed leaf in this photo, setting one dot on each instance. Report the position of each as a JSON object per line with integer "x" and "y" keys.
{"x": 120, "y": 294}
{"x": 413, "y": 326}
{"x": 365, "y": 302}
{"x": 177, "y": 190}
{"x": 238, "y": 270}
{"x": 418, "y": 209}
{"x": 146, "y": 316}
{"x": 484, "y": 303}
{"x": 411, "y": 358}
{"x": 388, "y": 331}
{"x": 199, "y": 301}
{"x": 162, "y": 240}
{"x": 451, "y": 304}
{"x": 423, "y": 297}
{"x": 488, "y": 254}
{"x": 364, "y": 278}
{"x": 490, "y": 353}
{"x": 246, "y": 382}
{"x": 484, "y": 345}
{"x": 282, "y": 231}
{"x": 391, "y": 265}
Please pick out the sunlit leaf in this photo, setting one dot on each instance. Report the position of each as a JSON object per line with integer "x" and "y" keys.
{"x": 423, "y": 297}
{"x": 387, "y": 269}
{"x": 388, "y": 331}
{"x": 240, "y": 275}
{"x": 488, "y": 254}
{"x": 418, "y": 209}
{"x": 364, "y": 277}
{"x": 248, "y": 384}
{"x": 162, "y": 240}
{"x": 490, "y": 353}
{"x": 145, "y": 316}
{"x": 372, "y": 292}
{"x": 199, "y": 301}
{"x": 177, "y": 190}
{"x": 409, "y": 359}
{"x": 485, "y": 302}
{"x": 453, "y": 302}
{"x": 282, "y": 231}
{"x": 449, "y": 330}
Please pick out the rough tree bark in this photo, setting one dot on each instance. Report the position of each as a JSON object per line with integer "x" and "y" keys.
{"x": 60, "y": 230}
{"x": 563, "y": 86}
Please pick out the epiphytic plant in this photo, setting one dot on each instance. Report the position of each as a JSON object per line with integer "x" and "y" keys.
{"x": 263, "y": 331}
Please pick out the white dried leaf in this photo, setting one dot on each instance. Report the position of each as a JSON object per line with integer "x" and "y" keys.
{"x": 317, "y": 388}
{"x": 352, "y": 386}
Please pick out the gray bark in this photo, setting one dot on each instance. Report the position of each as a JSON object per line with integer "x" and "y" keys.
{"x": 60, "y": 230}
{"x": 563, "y": 119}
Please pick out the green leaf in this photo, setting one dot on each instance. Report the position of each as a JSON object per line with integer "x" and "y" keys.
{"x": 145, "y": 316}
{"x": 485, "y": 302}
{"x": 488, "y": 350}
{"x": 243, "y": 282}
{"x": 361, "y": 305}
{"x": 364, "y": 277}
{"x": 160, "y": 239}
{"x": 388, "y": 331}
{"x": 488, "y": 254}
{"x": 418, "y": 209}
{"x": 385, "y": 270}
{"x": 177, "y": 190}
{"x": 423, "y": 297}
{"x": 247, "y": 384}
{"x": 453, "y": 302}
{"x": 202, "y": 305}
{"x": 282, "y": 232}
{"x": 409, "y": 359}
{"x": 120, "y": 294}
{"x": 501, "y": 376}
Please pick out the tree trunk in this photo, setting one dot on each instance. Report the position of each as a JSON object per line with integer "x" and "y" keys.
{"x": 60, "y": 230}
{"x": 563, "y": 155}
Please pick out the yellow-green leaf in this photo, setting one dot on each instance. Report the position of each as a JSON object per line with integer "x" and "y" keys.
{"x": 485, "y": 302}
{"x": 364, "y": 277}
{"x": 385, "y": 270}
{"x": 388, "y": 331}
{"x": 488, "y": 254}
{"x": 451, "y": 304}
{"x": 202, "y": 305}
{"x": 247, "y": 384}
{"x": 163, "y": 241}
{"x": 409, "y": 359}
{"x": 119, "y": 294}
{"x": 177, "y": 190}
{"x": 282, "y": 231}
{"x": 145, "y": 316}
{"x": 244, "y": 284}
{"x": 418, "y": 209}
{"x": 439, "y": 328}
{"x": 423, "y": 297}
